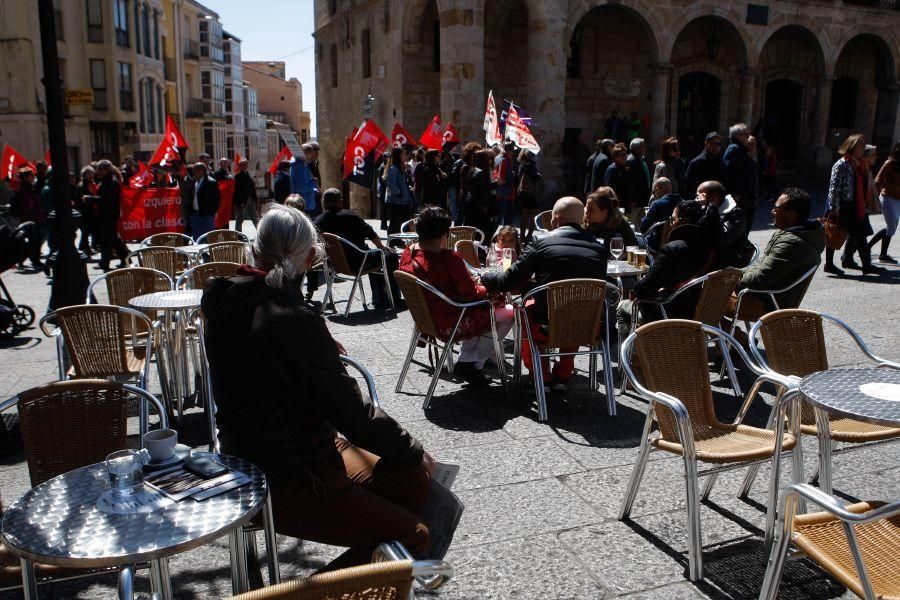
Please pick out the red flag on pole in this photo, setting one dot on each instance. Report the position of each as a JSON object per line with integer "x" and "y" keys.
{"x": 431, "y": 137}
{"x": 400, "y": 137}
{"x": 165, "y": 153}
{"x": 371, "y": 137}
{"x": 284, "y": 154}
{"x": 10, "y": 163}
{"x": 173, "y": 134}
{"x": 450, "y": 135}
{"x": 142, "y": 178}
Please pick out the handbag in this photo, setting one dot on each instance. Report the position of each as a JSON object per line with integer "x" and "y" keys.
{"x": 835, "y": 235}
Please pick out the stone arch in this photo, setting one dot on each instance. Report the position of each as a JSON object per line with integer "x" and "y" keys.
{"x": 646, "y": 14}
{"x": 691, "y": 52}
{"x": 809, "y": 30}
{"x": 420, "y": 64}
{"x": 506, "y": 55}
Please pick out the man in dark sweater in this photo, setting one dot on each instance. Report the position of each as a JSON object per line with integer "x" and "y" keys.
{"x": 569, "y": 252}
{"x": 706, "y": 166}
{"x": 353, "y": 228}
{"x": 244, "y": 197}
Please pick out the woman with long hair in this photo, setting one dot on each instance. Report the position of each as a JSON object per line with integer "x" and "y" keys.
{"x": 887, "y": 182}
{"x": 603, "y": 218}
{"x": 397, "y": 198}
{"x": 671, "y": 165}
{"x": 849, "y": 195}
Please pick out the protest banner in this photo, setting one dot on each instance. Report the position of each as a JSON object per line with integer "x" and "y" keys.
{"x": 150, "y": 210}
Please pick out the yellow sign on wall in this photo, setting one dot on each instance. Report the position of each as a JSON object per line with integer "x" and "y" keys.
{"x": 85, "y": 96}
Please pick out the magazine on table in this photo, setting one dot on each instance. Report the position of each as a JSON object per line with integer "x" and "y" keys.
{"x": 178, "y": 483}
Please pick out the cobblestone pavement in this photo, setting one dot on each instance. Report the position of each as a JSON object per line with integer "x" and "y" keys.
{"x": 541, "y": 499}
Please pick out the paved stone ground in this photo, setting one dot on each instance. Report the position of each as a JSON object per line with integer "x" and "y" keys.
{"x": 541, "y": 499}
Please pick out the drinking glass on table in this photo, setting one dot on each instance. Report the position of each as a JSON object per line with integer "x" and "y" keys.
{"x": 126, "y": 471}
{"x": 507, "y": 258}
{"x": 617, "y": 247}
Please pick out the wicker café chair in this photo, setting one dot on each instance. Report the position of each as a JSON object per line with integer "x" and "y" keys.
{"x": 389, "y": 577}
{"x": 542, "y": 220}
{"x": 235, "y": 252}
{"x": 338, "y": 266}
{"x": 217, "y": 236}
{"x": 675, "y": 379}
{"x": 463, "y": 232}
{"x": 172, "y": 240}
{"x": 471, "y": 252}
{"x": 195, "y": 278}
{"x": 124, "y": 284}
{"x": 859, "y": 544}
{"x": 91, "y": 415}
{"x": 425, "y": 330}
{"x": 576, "y": 310}
{"x": 715, "y": 292}
{"x": 794, "y": 343}
{"x": 162, "y": 258}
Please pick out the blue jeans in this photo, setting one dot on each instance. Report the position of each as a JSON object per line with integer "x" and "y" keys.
{"x": 451, "y": 200}
{"x": 890, "y": 208}
{"x": 201, "y": 224}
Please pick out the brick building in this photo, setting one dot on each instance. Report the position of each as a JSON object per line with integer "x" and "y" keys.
{"x": 806, "y": 72}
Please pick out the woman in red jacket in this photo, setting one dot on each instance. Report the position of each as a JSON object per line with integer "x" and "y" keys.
{"x": 431, "y": 261}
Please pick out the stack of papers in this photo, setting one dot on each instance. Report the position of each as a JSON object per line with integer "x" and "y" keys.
{"x": 178, "y": 483}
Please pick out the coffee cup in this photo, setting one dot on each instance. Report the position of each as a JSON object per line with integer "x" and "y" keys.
{"x": 160, "y": 443}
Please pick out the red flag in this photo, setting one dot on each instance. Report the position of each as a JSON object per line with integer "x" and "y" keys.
{"x": 47, "y": 156}
{"x": 371, "y": 137}
{"x": 431, "y": 137}
{"x": 10, "y": 163}
{"x": 284, "y": 154}
{"x": 165, "y": 153}
{"x": 450, "y": 135}
{"x": 401, "y": 137}
{"x": 142, "y": 178}
{"x": 237, "y": 161}
{"x": 173, "y": 135}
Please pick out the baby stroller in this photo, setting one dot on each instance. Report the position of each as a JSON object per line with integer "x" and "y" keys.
{"x": 14, "y": 318}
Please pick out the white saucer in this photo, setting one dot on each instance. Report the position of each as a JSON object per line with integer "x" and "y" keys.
{"x": 181, "y": 453}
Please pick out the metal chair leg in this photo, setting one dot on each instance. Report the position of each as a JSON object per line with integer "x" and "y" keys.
{"x": 592, "y": 370}
{"x": 753, "y": 469}
{"x": 352, "y": 294}
{"x": 695, "y": 534}
{"x": 409, "y": 357}
{"x": 448, "y": 348}
{"x": 637, "y": 472}
{"x": 778, "y": 555}
{"x": 775, "y": 478}
{"x": 517, "y": 352}
{"x": 708, "y": 486}
{"x": 608, "y": 383}
{"x": 538, "y": 374}
{"x": 729, "y": 366}
{"x": 271, "y": 544}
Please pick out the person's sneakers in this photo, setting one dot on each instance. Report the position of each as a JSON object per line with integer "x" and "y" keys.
{"x": 830, "y": 268}
{"x": 871, "y": 269}
{"x": 885, "y": 259}
{"x": 472, "y": 375}
{"x": 849, "y": 264}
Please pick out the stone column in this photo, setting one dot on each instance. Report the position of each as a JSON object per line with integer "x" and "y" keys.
{"x": 462, "y": 66}
{"x": 659, "y": 104}
{"x": 747, "y": 97}
{"x": 547, "y": 92}
{"x": 821, "y": 154}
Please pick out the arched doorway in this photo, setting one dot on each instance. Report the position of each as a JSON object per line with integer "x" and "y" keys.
{"x": 699, "y": 95}
{"x": 783, "y": 108}
{"x": 506, "y": 50}
{"x": 610, "y": 53}
{"x": 421, "y": 98}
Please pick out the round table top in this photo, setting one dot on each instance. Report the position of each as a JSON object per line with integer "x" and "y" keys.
{"x": 869, "y": 394}
{"x": 59, "y": 523}
{"x": 622, "y": 268}
{"x": 192, "y": 249}
{"x": 169, "y": 300}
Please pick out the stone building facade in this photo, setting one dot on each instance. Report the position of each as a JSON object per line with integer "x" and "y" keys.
{"x": 805, "y": 73}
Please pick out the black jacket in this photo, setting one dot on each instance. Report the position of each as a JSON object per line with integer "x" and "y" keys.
{"x": 208, "y": 197}
{"x": 350, "y": 226}
{"x": 589, "y": 174}
{"x": 282, "y": 186}
{"x": 735, "y": 250}
{"x": 110, "y": 193}
{"x": 569, "y": 252}
{"x": 638, "y": 181}
{"x": 704, "y": 167}
{"x": 283, "y": 396}
{"x": 740, "y": 175}
{"x": 244, "y": 188}
{"x": 598, "y": 170}
{"x": 617, "y": 178}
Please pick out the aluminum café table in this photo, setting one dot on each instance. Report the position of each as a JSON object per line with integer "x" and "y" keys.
{"x": 58, "y": 523}
{"x": 170, "y": 303}
{"x": 406, "y": 238}
{"x": 193, "y": 251}
{"x": 621, "y": 268}
{"x": 871, "y": 395}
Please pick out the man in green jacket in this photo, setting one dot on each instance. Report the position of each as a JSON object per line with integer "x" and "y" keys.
{"x": 795, "y": 248}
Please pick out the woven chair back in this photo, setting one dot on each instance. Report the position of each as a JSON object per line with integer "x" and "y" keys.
{"x": 408, "y": 226}
{"x": 469, "y": 253}
{"x": 70, "y": 424}
{"x": 714, "y": 296}
{"x": 235, "y": 252}
{"x": 222, "y": 235}
{"x": 390, "y": 580}
{"x": 337, "y": 255}
{"x": 795, "y": 345}
{"x": 461, "y": 232}
{"x": 161, "y": 258}
{"x": 95, "y": 338}
{"x": 575, "y": 309}
{"x": 199, "y": 275}
{"x": 673, "y": 359}
{"x": 414, "y": 294}
{"x": 544, "y": 219}
{"x": 171, "y": 240}
{"x": 124, "y": 284}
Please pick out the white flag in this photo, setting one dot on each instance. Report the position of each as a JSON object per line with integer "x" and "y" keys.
{"x": 518, "y": 132}
{"x": 491, "y": 122}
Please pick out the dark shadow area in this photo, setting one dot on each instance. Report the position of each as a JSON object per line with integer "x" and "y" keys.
{"x": 20, "y": 342}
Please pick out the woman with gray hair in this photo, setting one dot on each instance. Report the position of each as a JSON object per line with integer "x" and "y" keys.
{"x": 341, "y": 471}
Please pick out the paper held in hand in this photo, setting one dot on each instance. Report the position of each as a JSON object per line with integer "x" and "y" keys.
{"x": 442, "y": 510}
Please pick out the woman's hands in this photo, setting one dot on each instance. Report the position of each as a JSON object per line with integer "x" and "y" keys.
{"x": 340, "y": 348}
{"x": 428, "y": 463}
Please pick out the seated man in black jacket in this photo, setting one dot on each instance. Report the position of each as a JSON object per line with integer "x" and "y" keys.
{"x": 686, "y": 255}
{"x": 569, "y": 252}
{"x": 353, "y": 228}
{"x": 734, "y": 249}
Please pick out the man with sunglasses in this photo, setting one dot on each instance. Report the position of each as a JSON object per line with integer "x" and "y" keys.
{"x": 706, "y": 166}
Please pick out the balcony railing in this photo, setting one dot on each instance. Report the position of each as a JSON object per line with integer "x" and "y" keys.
{"x": 169, "y": 68}
{"x": 100, "y": 101}
{"x": 194, "y": 107}
{"x": 191, "y": 49}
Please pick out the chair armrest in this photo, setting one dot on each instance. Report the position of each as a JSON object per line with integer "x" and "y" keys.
{"x": 833, "y": 505}
{"x": 370, "y": 381}
{"x": 431, "y": 574}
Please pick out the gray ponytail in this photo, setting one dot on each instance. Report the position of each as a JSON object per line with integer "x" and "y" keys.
{"x": 284, "y": 239}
